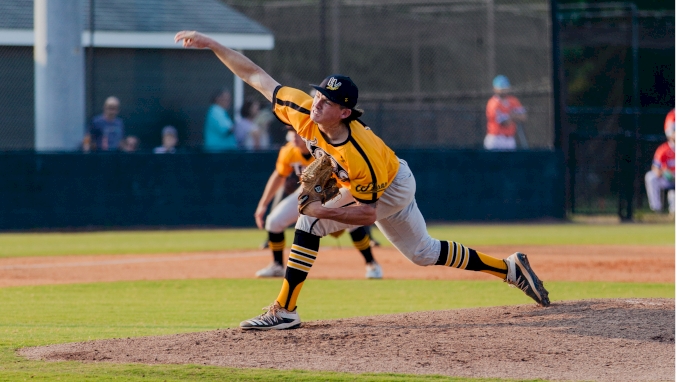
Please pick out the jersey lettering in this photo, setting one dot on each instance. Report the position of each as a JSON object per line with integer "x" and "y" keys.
{"x": 371, "y": 188}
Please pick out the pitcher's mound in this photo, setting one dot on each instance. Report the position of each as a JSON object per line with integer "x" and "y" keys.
{"x": 599, "y": 340}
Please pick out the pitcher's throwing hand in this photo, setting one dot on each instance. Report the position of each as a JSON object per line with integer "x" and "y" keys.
{"x": 193, "y": 39}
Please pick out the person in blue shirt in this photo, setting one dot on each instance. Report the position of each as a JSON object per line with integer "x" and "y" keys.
{"x": 218, "y": 133}
{"x": 107, "y": 130}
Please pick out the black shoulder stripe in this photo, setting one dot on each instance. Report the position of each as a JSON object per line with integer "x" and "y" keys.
{"x": 276, "y": 91}
{"x": 368, "y": 162}
{"x": 289, "y": 104}
{"x": 292, "y": 105}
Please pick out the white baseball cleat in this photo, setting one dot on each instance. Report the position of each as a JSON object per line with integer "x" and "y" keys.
{"x": 521, "y": 275}
{"x": 373, "y": 271}
{"x": 274, "y": 317}
{"x": 272, "y": 270}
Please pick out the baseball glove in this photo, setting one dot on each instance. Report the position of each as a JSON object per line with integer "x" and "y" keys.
{"x": 317, "y": 183}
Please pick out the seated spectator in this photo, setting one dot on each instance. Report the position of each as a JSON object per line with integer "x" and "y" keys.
{"x": 130, "y": 144}
{"x": 218, "y": 132}
{"x": 107, "y": 129}
{"x": 662, "y": 175}
{"x": 263, "y": 120}
{"x": 247, "y": 132}
{"x": 169, "y": 138}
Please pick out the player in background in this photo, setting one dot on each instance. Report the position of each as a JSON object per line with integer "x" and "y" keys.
{"x": 376, "y": 187}
{"x": 294, "y": 158}
{"x": 662, "y": 175}
{"x": 503, "y": 112}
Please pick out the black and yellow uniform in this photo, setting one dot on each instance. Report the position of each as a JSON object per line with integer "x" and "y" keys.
{"x": 363, "y": 163}
{"x": 366, "y": 166}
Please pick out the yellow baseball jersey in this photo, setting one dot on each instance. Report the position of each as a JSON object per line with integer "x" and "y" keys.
{"x": 291, "y": 159}
{"x": 364, "y": 164}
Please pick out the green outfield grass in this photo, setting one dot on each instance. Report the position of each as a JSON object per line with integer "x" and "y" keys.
{"x": 144, "y": 242}
{"x": 43, "y": 315}
{"x": 40, "y": 315}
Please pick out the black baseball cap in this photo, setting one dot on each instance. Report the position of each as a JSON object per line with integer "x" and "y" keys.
{"x": 339, "y": 89}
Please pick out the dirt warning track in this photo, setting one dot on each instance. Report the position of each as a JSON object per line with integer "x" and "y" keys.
{"x": 552, "y": 263}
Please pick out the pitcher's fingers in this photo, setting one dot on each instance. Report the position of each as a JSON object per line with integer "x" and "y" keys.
{"x": 183, "y": 35}
{"x": 179, "y": 36}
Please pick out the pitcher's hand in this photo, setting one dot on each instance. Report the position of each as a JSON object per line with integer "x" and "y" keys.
{"x": 193, "y": 39}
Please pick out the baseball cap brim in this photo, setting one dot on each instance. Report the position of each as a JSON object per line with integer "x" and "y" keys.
{"x": 326, "y": 93}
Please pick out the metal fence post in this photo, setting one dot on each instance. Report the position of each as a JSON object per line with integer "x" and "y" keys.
{"x": 571, "y": 163}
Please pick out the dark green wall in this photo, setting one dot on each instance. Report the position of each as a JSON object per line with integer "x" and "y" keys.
{"x": 159, "y": 87}
{"x": 116, "y": 190}
{"x": 156, "y": 87}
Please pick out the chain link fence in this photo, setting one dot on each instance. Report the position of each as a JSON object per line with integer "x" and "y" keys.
{"x": 424, "y": 68}
{"x": 16, "y": 98}
{"x": 619, "y": 72}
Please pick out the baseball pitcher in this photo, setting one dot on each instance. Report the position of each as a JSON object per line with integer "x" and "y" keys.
{"x": 375, "y": 186}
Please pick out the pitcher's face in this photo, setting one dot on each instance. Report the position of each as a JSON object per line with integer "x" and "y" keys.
{"x": 325, "y": 111}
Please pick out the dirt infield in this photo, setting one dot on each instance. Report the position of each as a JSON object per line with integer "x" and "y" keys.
{"x": 552, "y": 263}
{"x": 599, "y": 340}
{"x": 596, "y": 340}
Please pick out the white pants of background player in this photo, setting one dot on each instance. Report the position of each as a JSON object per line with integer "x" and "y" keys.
{"x": 285, "y": 213}
{"x": 655, "y": 186}
{"x": 399, "y": 219}
{"x": 499, "y": 142}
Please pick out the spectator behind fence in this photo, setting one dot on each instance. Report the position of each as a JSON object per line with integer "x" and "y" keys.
{"x": 246, "y": 131}
{"x": 263, "y": 120}
{"x": 130, "y": 144}
{"x": 503, "y": 112}
{"x": 107, "y": 129}
{"x": 218, "y": 134}
{"x": 662, "y": 175}
{"x": 169, "y": 139}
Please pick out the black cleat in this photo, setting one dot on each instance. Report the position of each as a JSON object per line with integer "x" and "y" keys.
{"x": 523, "y": 277}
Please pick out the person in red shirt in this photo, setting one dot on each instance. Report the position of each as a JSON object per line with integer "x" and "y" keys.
{"x": 503, "y": 112}
{"x": 662, "y": 175}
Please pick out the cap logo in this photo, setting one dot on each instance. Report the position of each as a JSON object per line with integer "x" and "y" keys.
{"x": 333, "y": 84}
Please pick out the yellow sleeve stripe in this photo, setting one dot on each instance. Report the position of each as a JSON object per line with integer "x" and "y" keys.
{"x": 300, "y": 259}
{"x": 363, "y": 244}
{"x": 459, "y": 255}
{"x": 449, "y": 257}
{"x": 467, "y": 258}
{"x": 304, "y": 250}
{"x": 277, "y": 246}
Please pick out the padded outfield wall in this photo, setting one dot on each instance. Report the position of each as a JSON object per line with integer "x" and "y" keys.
{"x": 144, "y": 190}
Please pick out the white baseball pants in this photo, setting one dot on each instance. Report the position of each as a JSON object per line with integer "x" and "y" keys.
{"x": 499, "y": 142}
{"x": 654, "y": 186}
{"x": 398, "y": 218}
{"x": 285, "y": 213}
